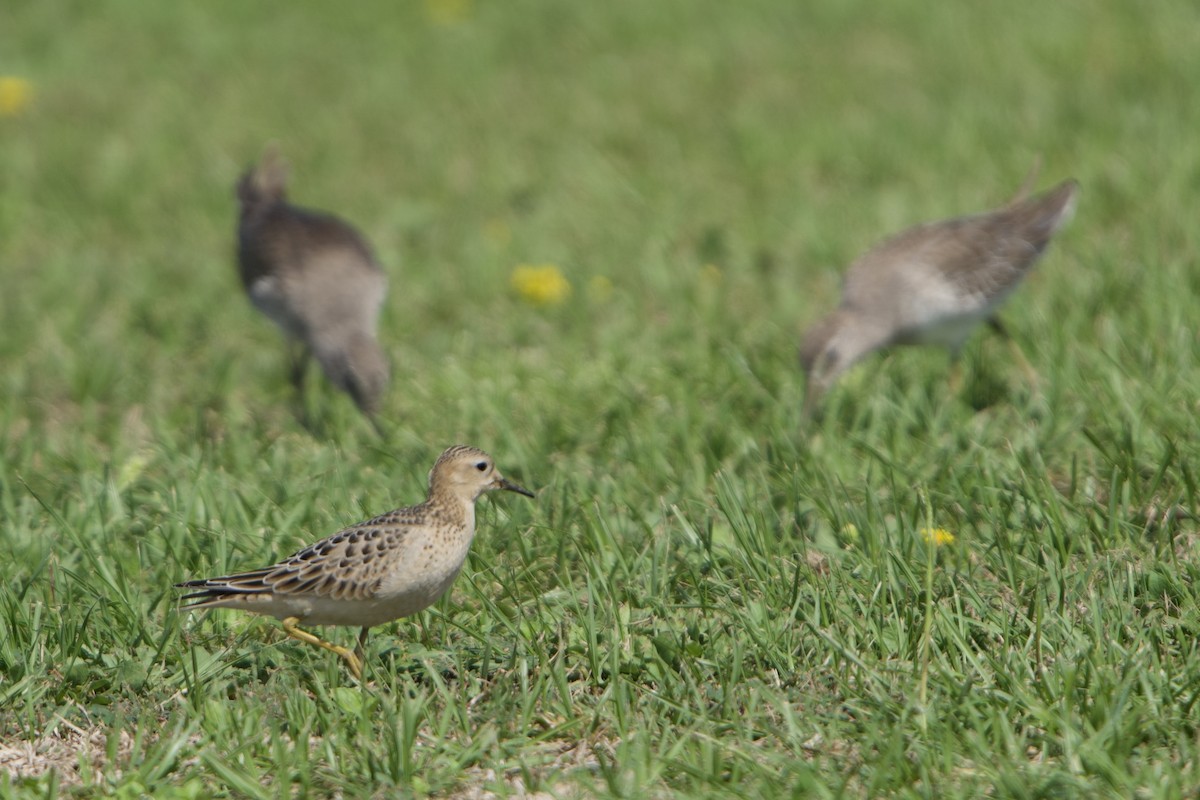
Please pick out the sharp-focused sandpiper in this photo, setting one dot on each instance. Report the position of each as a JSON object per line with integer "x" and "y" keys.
{"x": 371, "y": 573}
{"x": 315, "y": 276}
{"x": 932, "y": 284}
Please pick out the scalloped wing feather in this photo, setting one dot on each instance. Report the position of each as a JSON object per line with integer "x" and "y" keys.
{"x": 349, "y": 565}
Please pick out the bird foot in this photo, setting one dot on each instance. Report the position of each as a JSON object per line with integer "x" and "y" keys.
{"x": 290, "y": 627}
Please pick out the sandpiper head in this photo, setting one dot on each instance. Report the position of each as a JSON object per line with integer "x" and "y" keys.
{"x": 832, "y": 346}
{"x": 264, "y": 185}
{"x": 469, "y": 472}
{"x": 357, "y": 366}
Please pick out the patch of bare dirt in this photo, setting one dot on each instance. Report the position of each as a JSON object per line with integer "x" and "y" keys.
{"x": 66, "y": 749}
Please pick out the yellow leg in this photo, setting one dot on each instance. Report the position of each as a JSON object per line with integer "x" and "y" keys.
{"x": 353, "y": 661}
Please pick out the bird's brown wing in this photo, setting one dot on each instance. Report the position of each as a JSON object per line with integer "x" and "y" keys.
{"x": 982, "y": 256}
{"x": 348, "y": 565}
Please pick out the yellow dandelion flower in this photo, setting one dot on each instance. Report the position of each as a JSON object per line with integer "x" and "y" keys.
{"x": 600, "y": 288}
{"x": 15, "y": 94}
{"x": 447, "y": 12}
{"x": 937, "y": 536}
{"x": 540, "y": 284}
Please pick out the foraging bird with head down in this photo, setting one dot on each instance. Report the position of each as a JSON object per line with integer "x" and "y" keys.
{"x": 315, "y": 277}
{"x": 932, "y": 284}
{"x": 388, "y": 567}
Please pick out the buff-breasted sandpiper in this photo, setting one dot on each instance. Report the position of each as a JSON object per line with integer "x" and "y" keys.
{"x": 316, "y": 278}
{"x": 374, "y": 572}
{"x": 932, "y": 284}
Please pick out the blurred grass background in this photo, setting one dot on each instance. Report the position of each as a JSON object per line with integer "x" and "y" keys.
{"x": 707, "y": 597}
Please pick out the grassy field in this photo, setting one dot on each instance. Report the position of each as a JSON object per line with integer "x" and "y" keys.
{"x": 708, "y": 597}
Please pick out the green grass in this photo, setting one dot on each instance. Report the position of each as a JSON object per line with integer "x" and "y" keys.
{"x": 707, "y": 598}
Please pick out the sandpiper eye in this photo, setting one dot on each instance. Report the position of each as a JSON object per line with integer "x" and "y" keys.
{"x": 481, "y": 466}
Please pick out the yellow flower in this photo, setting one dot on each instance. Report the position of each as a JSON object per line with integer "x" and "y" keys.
{"x": 447, "y": 12}
{"x": 540, "y": 284}
{"x": 600, "y": 288}
{"x": 937, "y": 536}
{"x": 15, "y": 94}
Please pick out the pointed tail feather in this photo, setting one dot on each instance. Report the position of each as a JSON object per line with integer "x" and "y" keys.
{"x": 1041, "y": 216}
{"x": 211, "y": 589}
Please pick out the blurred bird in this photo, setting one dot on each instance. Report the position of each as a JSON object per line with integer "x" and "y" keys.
{"x": 316, "y": 278}
{"x": 932, "y": 284}
{"x": 371, "y": 573}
